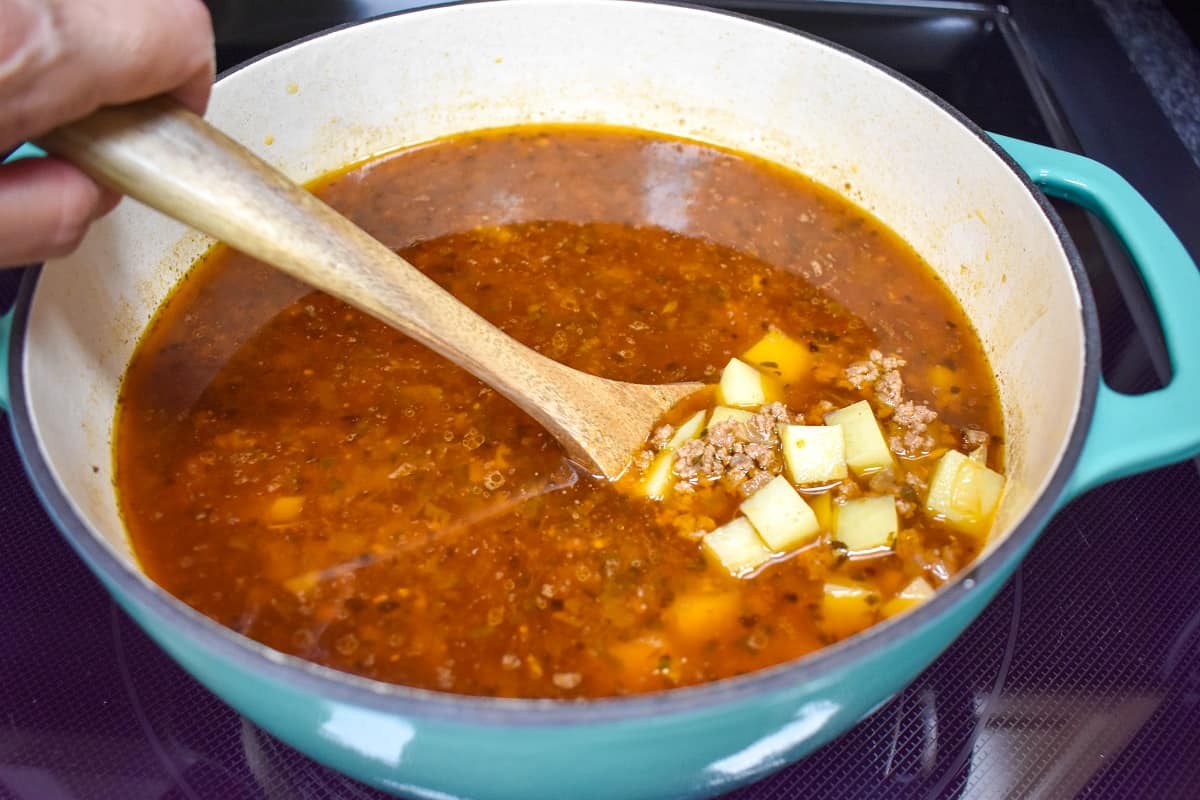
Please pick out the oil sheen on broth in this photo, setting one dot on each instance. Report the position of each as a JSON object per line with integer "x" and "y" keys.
{"x": 313, "y": 479}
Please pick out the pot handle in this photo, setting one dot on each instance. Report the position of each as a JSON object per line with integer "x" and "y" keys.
{"x": 24, "y": 151}
{"x": 5, "y": 329}
{"x": 1132, "y": 433}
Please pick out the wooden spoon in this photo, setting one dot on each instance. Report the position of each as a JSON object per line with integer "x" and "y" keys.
{"x": 172, "y": 160}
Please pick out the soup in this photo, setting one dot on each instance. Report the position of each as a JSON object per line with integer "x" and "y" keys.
{"x": 312, "y": 478}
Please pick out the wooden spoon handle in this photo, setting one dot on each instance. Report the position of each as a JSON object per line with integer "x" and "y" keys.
{"x": 172, "y": 160}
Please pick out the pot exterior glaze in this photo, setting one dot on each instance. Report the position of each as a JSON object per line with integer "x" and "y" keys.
{"x": 902, "y": 155}
{"x": 670, "y": 755}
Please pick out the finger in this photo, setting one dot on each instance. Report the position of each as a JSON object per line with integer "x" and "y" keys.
{"x": 62, "y": 59}
{"x": 195, "y": 91}
{"x": 46, "y": 206}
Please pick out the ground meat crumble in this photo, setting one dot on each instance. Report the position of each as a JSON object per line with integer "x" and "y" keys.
{"x": 908, "y": 425}
{"x": 907, "y": 492}
{"x": 659, "y": 439}
{"x": 746, "y": 455}
{"x": 743, "y": 454}
{"x": 973, "y": 437}
{"x": 913, "y": 421}
{"x": 883, "y": 373}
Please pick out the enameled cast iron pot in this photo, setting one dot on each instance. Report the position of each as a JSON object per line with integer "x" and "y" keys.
{"x": 963, "y": 200}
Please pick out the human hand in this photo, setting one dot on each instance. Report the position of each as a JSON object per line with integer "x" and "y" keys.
{"x": 59, "y": 61}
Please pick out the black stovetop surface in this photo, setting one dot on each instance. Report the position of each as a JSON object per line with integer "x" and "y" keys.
{"x": 1083, "y": 677}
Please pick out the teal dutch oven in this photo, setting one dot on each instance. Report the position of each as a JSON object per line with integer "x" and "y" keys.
{"x": 966, "y": 201}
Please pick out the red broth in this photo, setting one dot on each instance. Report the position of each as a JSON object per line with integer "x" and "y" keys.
{"x": 315, "y": 480}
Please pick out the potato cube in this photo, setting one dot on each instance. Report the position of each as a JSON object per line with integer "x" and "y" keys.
{"x": 736, "y": 547}
{"x": 867, "y": 525}
{"x": 866, "y": 449}
{"x": 699, "y": 614}
{"x": 780, "y": 515}
{"x": 941, "y": 378}
{"x": 847, "y": 608}
{"x": 822, "y": 506}
{"x": 285, "y": 509}
{"x": 964, "y": 493}
{"x": 656, "y": 483}
{"x": 813, "y": 453}
{"x": 659, "y": 476}
{"x": 641, "y": 659}
{"x": 688, "y": 430}
{"x": 743, "y": 386}
{"x": 915, "y": 593}
{"x": 778, "y": 354}
{"x": 726, "y": 414}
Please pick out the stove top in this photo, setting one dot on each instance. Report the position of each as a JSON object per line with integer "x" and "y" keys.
{"x": 1082, "y": 678}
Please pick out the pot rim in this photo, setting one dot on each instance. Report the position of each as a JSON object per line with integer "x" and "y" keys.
{"x": 250, "y": 655}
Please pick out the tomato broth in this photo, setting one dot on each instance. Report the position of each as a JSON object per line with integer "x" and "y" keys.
{"x": 312, "y": 478}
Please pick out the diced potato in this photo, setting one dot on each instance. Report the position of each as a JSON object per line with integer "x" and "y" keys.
{"x": 658, "y": 478}
{"x": 813, "y": 453}
{"x": 285, "y": 509}
{"x": 736, "y": 547}
{"x": 866, "y": 449}
{"x": 698, "y": 615}
{"x": 847, "y": 608}
{"x": 688, "y": 430}
{"x": 941, "y": 378}
{"x": 656, "y": 483}
{"x": 979, "y": 454}
{"x": 822, "y": 506}
{"x": 778, "y": 354}
{"x": 964, "y": 493}
{"x": 641, "y": 659}
{"x": 303, "y": 583}
{"x": 867, "y": 525}
{"x": 780, "y": 515}
{"x": 742, "y": 386}
{"x": 917, "y": 592}
{"x": 725, "y": 414}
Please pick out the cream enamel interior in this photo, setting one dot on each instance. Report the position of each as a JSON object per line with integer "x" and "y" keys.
{"x": 411, "y": 78}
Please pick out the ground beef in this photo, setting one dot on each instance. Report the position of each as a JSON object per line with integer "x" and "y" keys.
{"x": 890, "y": 388}
{"x": 743, "y": 454}
{"x": 746, "y": 455}
{"x": 931, "y": 560}
{"x": 862, "y": 373}
{"x": 848, "y": 489}
{"x": 973, "y": 437}
{"x": 882, "y": 482}
{"x": 763, "y": 427}
{"x": 727, "y": 434}
{"x": 752, "y": 484}
{"x": 882, "y": 374}
{"x": 816, "y": 415}
{"x": 917, "y": 483}
{"x": 659, "y": 439}
{"x": 689, "y": 458}
{"x": 905, "y": 492}
{"x": 911, "y": 421}
{"x": 775, "y": 411}
{"x": 740, "y": 465}
{"x": 763, "y": 456}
